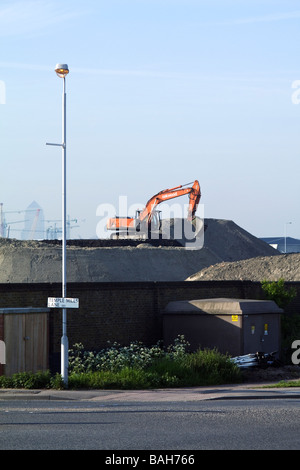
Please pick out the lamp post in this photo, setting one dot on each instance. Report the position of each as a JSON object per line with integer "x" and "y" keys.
{"x": 62, "y": 71}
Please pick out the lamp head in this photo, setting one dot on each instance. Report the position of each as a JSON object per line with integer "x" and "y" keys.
{"x": 62, "y": 70}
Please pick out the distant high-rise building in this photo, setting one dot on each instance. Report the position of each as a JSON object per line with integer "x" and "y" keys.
{"x": 34, "y": 223}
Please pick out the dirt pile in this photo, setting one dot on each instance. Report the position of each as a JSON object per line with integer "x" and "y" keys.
{"x": 229, "y": 242}
{"x": 111, "y": 261}
{"x": 271, "y": 268}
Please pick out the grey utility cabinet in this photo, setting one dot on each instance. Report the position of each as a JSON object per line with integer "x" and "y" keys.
{"x": 233, "y": 326}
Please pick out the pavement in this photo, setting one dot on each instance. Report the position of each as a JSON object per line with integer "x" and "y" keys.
{"x": 224, "y": 392}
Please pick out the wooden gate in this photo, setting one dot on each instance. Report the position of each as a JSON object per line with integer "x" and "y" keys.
{"x": 26, "y": 341}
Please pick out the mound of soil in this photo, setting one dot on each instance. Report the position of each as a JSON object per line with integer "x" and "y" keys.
{"x": 134, "y": 261}
{"x": 271, "y": 268}
{"x": 229, "y": 242}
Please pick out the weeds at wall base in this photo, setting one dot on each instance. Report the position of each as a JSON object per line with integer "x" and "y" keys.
{"x": 134, "y": 367}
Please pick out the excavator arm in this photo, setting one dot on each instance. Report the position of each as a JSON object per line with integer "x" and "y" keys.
{"x": 146, "y": 215}
{"x": 194, "y": 196}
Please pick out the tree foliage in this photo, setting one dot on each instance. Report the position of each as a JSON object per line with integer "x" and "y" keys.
{"x": 278, "y": 292}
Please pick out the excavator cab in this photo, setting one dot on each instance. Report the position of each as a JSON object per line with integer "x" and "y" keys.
{"x": 152, "y": 224}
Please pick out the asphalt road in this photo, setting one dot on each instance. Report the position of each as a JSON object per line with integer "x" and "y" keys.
{"x": 174, "y": 425}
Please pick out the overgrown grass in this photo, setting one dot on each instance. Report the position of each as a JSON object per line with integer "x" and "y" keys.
{"x": 189, "y": 370}
{"x": 135, "y": 367}
{"x": 28, "y": 380}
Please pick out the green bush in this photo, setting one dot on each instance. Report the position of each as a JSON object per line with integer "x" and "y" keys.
{"x": 290, "y": 324}
{"x": 135, "y": 367}
{"x": 116, "y": 357}
{"x": 277, "y": 291}
{"x": 155, "y": 368}
{"x": 210, "y": 366}
{"x": 126, "y": 378}
{"x": 27, "y": 380}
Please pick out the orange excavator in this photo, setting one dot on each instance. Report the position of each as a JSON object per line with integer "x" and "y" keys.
{"x": 148, "y": 219}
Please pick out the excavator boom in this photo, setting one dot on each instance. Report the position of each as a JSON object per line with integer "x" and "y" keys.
{"x": 194, "y": 195}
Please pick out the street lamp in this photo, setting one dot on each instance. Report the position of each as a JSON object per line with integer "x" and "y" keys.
{"x": 62, "y": 71}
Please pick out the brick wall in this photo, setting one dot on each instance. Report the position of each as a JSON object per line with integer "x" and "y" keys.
{"x": 120, "y": 312}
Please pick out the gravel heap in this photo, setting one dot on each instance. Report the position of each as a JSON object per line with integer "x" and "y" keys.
{"x": 270, "y": 268}
{"x": 116, "y": 261}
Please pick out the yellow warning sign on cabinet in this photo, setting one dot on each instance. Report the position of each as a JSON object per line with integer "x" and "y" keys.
{"x": 234, "y": 317}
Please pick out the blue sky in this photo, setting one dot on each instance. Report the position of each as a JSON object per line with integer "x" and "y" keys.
{"x": 160, "y": 93}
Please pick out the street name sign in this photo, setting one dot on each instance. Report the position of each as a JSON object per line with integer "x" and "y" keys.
{"x": 61, "y": 302}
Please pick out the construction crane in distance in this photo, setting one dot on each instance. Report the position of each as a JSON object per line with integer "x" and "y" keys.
{"x": 51, "y": 232}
